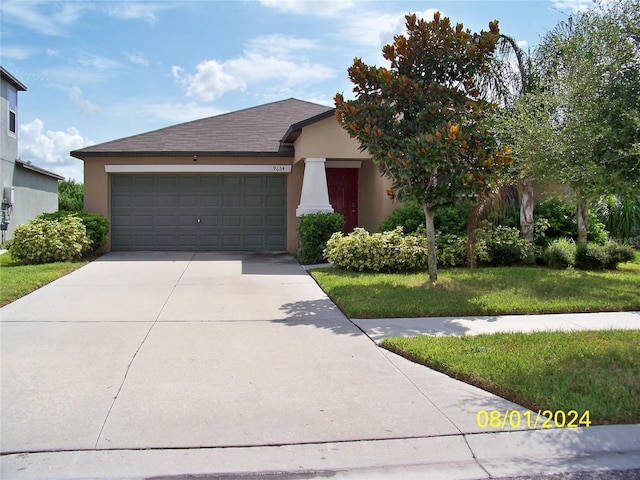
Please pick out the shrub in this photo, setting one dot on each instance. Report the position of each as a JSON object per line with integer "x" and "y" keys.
{"x": 96, "y": 225}
{"x": 618, "y": 253}
{"x": 590, "y": 256}
{"x": 452, "y": 250}
{"x": 97, "y": 230}
{"x": 46, "y": 241}
{"x": 561, "y": 217}
{"x": 504, "y": 246}
{"x": 379, "y": 252}
{"x": 561, "y": 253}
{"x": 313, "y": 232}
{"x": 410, "y": 217}
{"x": 452, "y": 220}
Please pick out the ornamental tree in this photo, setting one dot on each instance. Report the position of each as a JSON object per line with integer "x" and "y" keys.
{"x": 423, "y": 120}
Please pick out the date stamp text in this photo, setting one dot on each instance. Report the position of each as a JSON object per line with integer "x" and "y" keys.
{"x": 528, "y": 419}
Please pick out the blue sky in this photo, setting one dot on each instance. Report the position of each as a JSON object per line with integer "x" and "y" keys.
{"x": 101, "y": 70}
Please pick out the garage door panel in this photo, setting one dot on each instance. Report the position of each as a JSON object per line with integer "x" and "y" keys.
{"x": 143, "y": 201}
{"x": 235, "y": 212}
{"x": 254, "y": 220}
{"x": 231, "y": 220}
{"x": 165, "y": 220}
{"x": 187, "y": 220}
{"x": 275, "y": 200}
{"x": 255, "y": 201}
{"x": 143, "y": 221}
{"x": 275, "y": 221}
{"x": 231, "y": 201}
{"x": 209, "y": 200}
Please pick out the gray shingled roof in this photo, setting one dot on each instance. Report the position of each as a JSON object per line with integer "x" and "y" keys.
{"x": 253, "y": 131}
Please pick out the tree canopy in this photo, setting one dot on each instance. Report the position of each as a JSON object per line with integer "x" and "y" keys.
{"x": 591, "y": 64}
{"x": 424, "y": 119}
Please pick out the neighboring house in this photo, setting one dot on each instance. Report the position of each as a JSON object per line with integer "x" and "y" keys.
{"x": 27, "y": 190}
{"x": 237, "y": 181}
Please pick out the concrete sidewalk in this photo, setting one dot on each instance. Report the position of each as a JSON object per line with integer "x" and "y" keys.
{"x": 232, "y": 365}
{"x": 380, "y": 328}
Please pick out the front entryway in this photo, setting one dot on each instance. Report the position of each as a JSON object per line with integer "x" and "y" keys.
{"x": 343, "y": 194}
{"x": 198, "y": 212}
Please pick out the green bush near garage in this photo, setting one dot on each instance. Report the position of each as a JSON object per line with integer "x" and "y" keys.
{"x": 97, "y": 227}
{"x": 48, "y": 241}
{"x": 314, "y": 230}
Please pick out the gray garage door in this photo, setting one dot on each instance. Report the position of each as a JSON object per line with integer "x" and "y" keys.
{"x": 198, "y": 212}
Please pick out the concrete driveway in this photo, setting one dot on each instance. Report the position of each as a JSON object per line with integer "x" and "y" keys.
{"x": 150, "y": 352}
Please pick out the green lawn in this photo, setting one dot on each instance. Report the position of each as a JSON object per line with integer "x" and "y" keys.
{"x": 598, "y": 371}
{"x": 17, "y": 280}
{"x": 490, "y": 291}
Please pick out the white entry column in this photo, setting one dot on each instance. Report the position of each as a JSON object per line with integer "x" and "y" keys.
{"x": 315, "y": 193}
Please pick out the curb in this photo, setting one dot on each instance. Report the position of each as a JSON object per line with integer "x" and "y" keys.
{"x": 473, "y": 456}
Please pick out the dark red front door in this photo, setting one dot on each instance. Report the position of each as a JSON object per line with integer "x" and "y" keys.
{"x": 343, "y": 194}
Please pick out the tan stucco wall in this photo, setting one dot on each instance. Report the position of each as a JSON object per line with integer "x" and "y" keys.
{"x": 327, "y": 139}
{"x": 375, "y": 204}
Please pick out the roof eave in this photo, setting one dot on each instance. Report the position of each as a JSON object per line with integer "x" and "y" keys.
{"x": 294, "y": 130}
{"x": 13, "y": 80}
{"x": 287, "y": 152}
{"x": 42, "y": 171}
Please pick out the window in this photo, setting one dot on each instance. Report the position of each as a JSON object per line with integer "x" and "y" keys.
{"x": 13, "y": 108}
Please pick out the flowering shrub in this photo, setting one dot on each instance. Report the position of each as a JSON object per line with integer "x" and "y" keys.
{"x": 46, "y": 241}
{"x": 379, "y": 252}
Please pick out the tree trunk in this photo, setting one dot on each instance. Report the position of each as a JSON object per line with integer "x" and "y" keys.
{"x": 526, "y": 212}
{"x": 583, "y": 221}
{"x": 431, "y": 245}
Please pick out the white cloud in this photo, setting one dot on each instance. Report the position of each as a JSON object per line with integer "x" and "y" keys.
{"x": 210, "y": 80}
{"x": 273, "y": 59}
{"x": 378, "y": 29}
{"x": 95, "y": 61}
{"x": 50, "y": 149}
{"x": 138, "y": 58}
{"x": 49, "y": 18}
{"x": 279, "y": 44}
{"x": 16, "y": 53}
{"x": 75, "y": 95}
{"x": 323, "y": 8}
{"x": 145, "y": 11}
{"x": 573, "y": 5}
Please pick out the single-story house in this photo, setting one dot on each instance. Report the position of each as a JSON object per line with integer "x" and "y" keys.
{"x": 237, "y": 181}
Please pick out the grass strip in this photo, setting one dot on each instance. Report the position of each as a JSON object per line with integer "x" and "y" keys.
{"x": 598, "y": 371}
{"x": 17, "y": 280}
{"x": 490, "y": 291}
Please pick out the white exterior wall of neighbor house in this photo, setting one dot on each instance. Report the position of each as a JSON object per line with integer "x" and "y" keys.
{"x": 34, "y": 191}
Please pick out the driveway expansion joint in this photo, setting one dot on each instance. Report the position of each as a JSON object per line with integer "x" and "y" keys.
{"x": 126, "y": 373}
